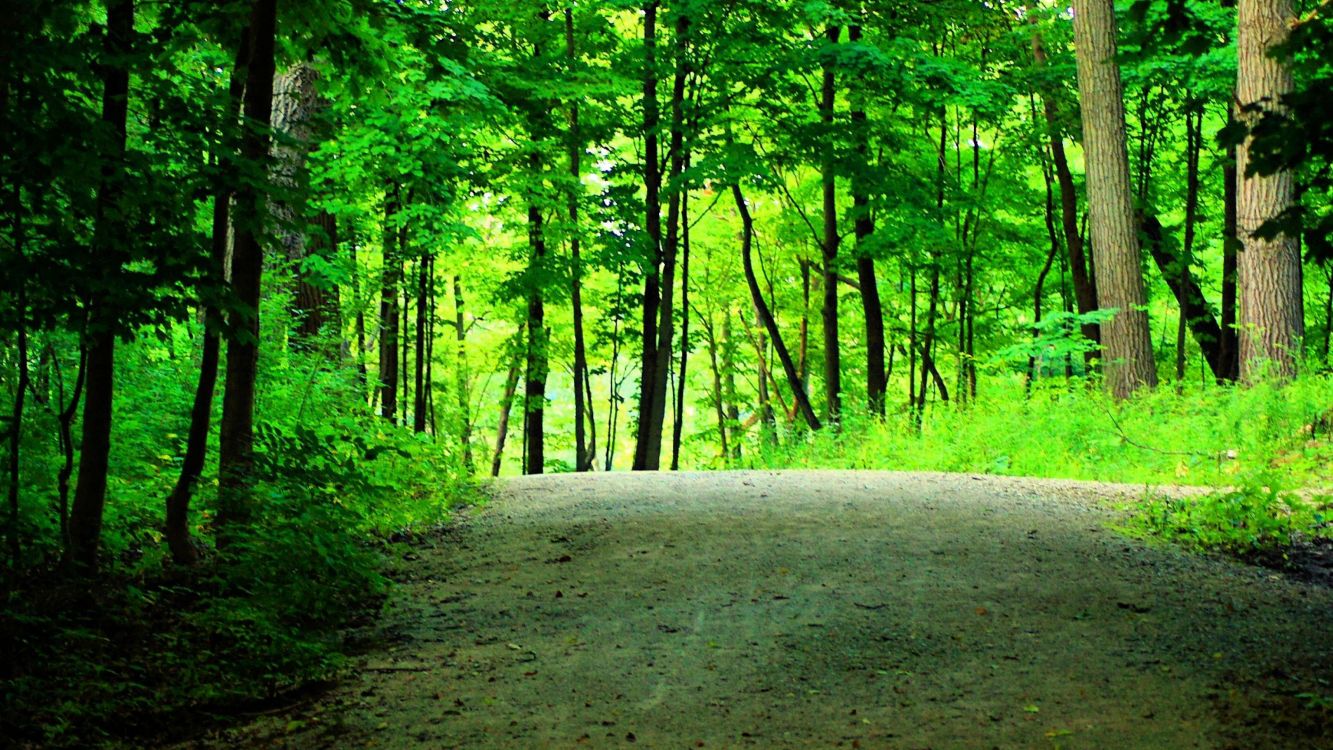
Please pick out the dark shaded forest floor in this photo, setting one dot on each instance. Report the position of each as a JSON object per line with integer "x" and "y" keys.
{"x": 822, "y": 609}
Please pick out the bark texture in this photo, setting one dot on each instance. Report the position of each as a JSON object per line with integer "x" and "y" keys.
{"x": 1269, "y": 270}
{"x": 1126, "y": 341}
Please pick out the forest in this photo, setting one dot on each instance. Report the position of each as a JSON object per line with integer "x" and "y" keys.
{"x": 286, "y": 282}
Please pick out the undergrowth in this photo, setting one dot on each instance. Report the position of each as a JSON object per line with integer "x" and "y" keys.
{"x": 1200, "y": 436}
{"x": 1257, "y": 517}
{"x": 150, "y": 651}
{"x": 1267, "y": 447}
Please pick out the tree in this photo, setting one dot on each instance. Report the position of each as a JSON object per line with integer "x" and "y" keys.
{"x": 177, "y": 529}
{"x": 237, "y": 429}
{"x": 830, "y": 239}
{"x": 1126, "y": 343}
{"x": 871, "y": 306}
{"x": 1272, "y": 322}
{"x": 111, "y": 237}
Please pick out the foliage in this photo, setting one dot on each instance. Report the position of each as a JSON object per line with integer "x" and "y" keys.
{"x": 259, "y": 619}
{"x": 444, "y": 143}
{"x": 1258, "y": 516}
{"x": 1200, "y": 435}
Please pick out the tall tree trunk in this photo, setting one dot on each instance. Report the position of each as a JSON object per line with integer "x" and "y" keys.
{"x": 236, "y": 442}
{"x": 362, "y": 376}
{"x": 719, "y": 405}
{"x": 766, "y": 315}
{"x": 652, "y": 293}
{"x": 16, "y": 431}
{"x": 871, "y": 306}
{"x": 1034, "y": 363}
{"x": 1085, "y": 294}
{"x": 462, "y": 375}
{"x": 421, "y": 393}
{"x": 391, "y": 279}
{"x": 1189, "y": 296}
{"x": 768, "y": 422}
{"x": 506, "y": 406}
{"x": 1230, "y": 347}
{"x": 1126, "y": 341}
{"x": 405, "y": 328}
{"x": 1193, "y": 150}
{"x": 829, "y": 245}
{"x": 177, "y": 530}
{"x": 1272, "y": 321}
{"x": 928, "y": 335}
{"x": 109, "y": 241}
{"x": 729, "y": 385}
{"x": 296, "y": 108}
{"x": 613, "y": 378}
{"x": 651, "y": 429}
{"x": 803, "y": 335}
{"x": 928, "y": 344}
{"x": 66, "y": 440}
{"x": 429, "y": 353}
{"x": 911, "y": 335}
{"x": 584, "y": 452}
{"x": 678, "y": 421}
{"x": 534, "y": 381}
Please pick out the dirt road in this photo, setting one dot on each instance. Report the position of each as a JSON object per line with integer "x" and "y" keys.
{"x": 822, "y": 609}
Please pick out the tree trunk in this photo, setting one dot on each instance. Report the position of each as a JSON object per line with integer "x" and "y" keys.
{"x": 829, "y": 245}
{"x": 729, "y": 385}
{"x": 928, "y": 345}
{"x": 506, "y": 406}
{"x": 1126, "y": 341}
{"x": 1189, "y": 296}
{"x": 391, "y": 279}
{"x": 651, "y": 429}
{"x": 719, "y": 405}
{"x": 678, "y": 421}
{"x": 421, "y": 392}
{"x": 911, "y": 335}
{"x": 584, "y": 452}
{"x": 1084, "y": 293}
{"x": 1272, "y": 320}
{"x": 1230, "y": 354}
{"x": 534, "y": 381}
{"x": 16, "y": 434}
{"x": 871, "y": 306}
{"x": 177, "y": 530}
{"x": 428, "y": 353}
{"x": 768, "y": 422}
{"x": 405, "y": 328}
{"x": 236, "y": 442}
{"x": 766, "y": 315}
{"x": 613, "y": 378}
{"x": 109, "y": 240}
{"x": 362, "y": 376}
{"x": 296, "y": 108}
{"x": 462, "y": 375}
{"x": 1034, "y": 362}
{"x": 928, "y": 366}
{"x": 652, "y": 295}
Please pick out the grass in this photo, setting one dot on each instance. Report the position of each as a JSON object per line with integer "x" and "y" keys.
{"x": 1201, "y": 436}
{"x": 1266, "y": 449}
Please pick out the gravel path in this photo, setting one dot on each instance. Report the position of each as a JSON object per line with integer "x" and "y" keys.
{"x": 824, "y": 609}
